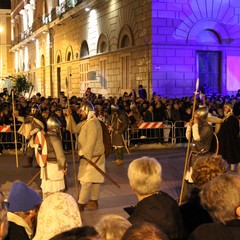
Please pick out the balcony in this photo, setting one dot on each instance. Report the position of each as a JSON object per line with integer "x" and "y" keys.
{"x": 46, "y": 18}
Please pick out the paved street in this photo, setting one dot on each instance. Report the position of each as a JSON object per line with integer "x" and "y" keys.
{"x": 112, "y": 199}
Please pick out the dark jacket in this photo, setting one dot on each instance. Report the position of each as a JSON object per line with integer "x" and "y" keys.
{"x": 193, "y": 214}
{"x": 16, "y": 232}
{"x": 162, "y": 210}
{"x": 216, "y": 231}
{"x": 229, "y": 141}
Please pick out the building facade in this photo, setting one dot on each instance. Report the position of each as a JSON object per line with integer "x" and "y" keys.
{"x": 113, "y": 46}
{"x": 6, "y": 61}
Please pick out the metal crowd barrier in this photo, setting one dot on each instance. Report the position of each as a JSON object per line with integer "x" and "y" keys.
{"x": 151, "y": 132}
{"x": 7, "y": 138}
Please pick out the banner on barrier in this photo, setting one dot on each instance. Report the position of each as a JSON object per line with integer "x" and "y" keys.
{"x": 5, "y": 128}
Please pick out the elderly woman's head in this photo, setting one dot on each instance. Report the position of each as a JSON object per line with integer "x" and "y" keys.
{"x": 221, "y": 197}
{"x": 206, "y": 168}
{"x": 145, "y": 175}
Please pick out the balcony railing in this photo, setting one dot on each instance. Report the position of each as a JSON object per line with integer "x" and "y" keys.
{"x": 46, "y": 18}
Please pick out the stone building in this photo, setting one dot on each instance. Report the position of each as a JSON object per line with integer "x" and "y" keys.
{"x": 113, "y": 46}
{"x": 6, "y": 62}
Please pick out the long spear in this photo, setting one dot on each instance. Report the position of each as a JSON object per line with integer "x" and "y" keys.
{"x": 188, "y": 146}
{"x": 71, "y": 137}
{"x": 14, "y": 127}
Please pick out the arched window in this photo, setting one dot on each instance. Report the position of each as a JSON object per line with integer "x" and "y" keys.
{"x": 84, "y": 50}
{"x": 69, "y": 53}
{"x": 103, "y": 43}
{"x": 58, "y": 57}
{"x": 125, "y": 38}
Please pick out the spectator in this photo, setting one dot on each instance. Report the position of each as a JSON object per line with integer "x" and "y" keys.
{"x": 144, "y": 231}
{"x": 80, "y": 233}
{"x": 58, "y": 213}
{"x": 22, "y": 213}
{"x": 3, "y": 217}
{"x": 112, "y": 227}
{"x": 154, "y": 206}
{"x": 205, "y": 169}
{"x": 221, "y": 198}
{"x": 142, "y": 92}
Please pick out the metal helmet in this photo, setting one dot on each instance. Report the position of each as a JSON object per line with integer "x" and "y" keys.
{"x": 35, "y": 109}
{"x": 202, "y": 112}
{"x": 114, "y": 108}
{"x": 87, "y": 106}
{"x": 53, "y": 125}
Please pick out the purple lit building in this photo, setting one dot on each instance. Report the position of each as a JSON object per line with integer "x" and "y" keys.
{"x": 113, "y": 46}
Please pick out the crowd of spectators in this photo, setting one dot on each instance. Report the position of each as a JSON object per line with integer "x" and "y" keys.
{"x": 138, "y": 107}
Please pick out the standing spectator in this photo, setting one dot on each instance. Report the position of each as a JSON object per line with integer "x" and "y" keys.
{"x": 3, "y": 217}
{"x": 177, "y": 121}
{"x": 142, "y": 92}
{"x": 221, "y": 198}
{"x": 58, "y": 213}
{"x": 118, "y": 125}
{"x": 229, "y": 137}
{"x": 22, "y": 212}
{"x": 89, "y": 95}
{"x": 53, "y": 171}
{"x": 168, "y": 122}
{"x": 154, "y": 206}
{"x": 91, "y": 148}
{"x": 149, "y": 117}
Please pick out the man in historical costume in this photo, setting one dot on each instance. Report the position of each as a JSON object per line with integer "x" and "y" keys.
{"x": 118, "y": 125}
{"x": 229, "y": 137}
{"x": 53, "y": 171}
{"x": 32, "y": 124}
{"x": 91, "y": 148}
{"x": 201, "y": 134}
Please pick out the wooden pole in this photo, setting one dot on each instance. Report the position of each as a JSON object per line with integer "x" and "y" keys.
{"x": 15, "y": 131}
{"x": 72, "y": 144}
{"x": 188, "y": 146}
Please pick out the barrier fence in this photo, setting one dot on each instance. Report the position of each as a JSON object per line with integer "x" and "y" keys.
{"x": 143, "y": 132}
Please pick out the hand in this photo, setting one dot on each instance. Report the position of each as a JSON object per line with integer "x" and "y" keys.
{"x": 110, "y": 128}
{"x": 65, "y": 171}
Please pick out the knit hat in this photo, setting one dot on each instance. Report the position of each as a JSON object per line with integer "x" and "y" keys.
{"x": 22, "y": 198}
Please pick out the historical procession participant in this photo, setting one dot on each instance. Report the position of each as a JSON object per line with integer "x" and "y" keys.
{"x": 229, "y": 137}
{"x": 118, "y": 125}
{"x": 31, "y": 125}
{"x": 54, "y": 168}
{"x": 91, "y": 155}
{"x": 201, "y": 134}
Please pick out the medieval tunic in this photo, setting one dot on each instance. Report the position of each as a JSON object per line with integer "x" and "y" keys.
{"x": 229, "y": 141}
{"x": 52, "y": 173}
{"x": 119, "y": 122}
{"x": 202, "y": 135}
{"x": 90, "y": 145}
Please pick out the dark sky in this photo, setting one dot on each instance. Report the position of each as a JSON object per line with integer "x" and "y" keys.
{"x": 5, "y": 4}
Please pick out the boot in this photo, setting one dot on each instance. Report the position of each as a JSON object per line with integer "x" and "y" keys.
{"x": 81, "y": 207}
{"x": 92, "y": 205}
{"x": 28, "y": 165}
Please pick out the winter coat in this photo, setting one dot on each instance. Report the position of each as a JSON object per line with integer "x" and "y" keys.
{"x": 162, "y": 210}
{"x": 217, "y": 231}
{"x": 229, "y": 140}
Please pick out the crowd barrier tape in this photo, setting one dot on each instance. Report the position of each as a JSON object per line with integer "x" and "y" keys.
{"x": 150, "y": 132}
{"x": 146, "y": 125}
{"x": 5, "y": 128}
